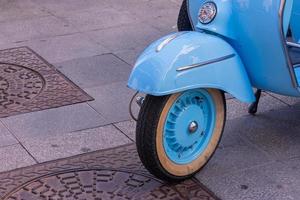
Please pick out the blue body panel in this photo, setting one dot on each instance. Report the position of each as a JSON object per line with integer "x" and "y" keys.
{"x": 287, "y": 15}
{"x": 156, "y": 72}
{"x": 252, "y": 30}
{"x": 260, "y": 44}
{"x": 295, "y": 21}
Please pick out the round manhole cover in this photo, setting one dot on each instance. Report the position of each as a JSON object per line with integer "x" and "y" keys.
{"x": 18, "y": 84}
{"x": 93, "y": 184}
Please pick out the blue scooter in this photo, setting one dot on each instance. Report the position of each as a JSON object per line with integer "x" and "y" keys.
{"x": 222, "y": 46}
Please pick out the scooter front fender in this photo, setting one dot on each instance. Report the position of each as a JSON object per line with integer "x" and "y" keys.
{"x": 189, "y": 60}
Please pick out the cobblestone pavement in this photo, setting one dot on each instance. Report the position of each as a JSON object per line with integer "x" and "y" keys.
{"x": 94, "y": 43}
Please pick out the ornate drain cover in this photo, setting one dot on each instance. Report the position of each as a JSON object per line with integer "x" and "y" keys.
{"x": 110, "y": 174}
{"x": 28, "y": 83}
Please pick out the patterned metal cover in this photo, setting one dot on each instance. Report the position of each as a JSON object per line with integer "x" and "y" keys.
{"x": 29, "y": 83}
{"x": 109, "y": 174}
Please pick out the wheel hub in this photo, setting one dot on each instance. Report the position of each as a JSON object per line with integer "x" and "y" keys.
{"x": 185, "y": 139}
{"x": 193, "y": 127}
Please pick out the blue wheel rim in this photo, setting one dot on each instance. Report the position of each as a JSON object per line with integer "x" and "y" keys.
{"x": 182, "y": 142}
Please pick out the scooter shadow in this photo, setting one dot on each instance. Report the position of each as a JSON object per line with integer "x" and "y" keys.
{"x": 251, "y": 141}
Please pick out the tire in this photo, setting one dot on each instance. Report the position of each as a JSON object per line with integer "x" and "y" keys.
{"x": 183, "y": 22}
{"x": 154, "y": 132}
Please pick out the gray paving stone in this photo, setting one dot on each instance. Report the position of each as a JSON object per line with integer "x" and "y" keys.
{"x": 126, "y": 37}
{"x": 95, "y": 71}
{"x": 62, "y": 48}
{"x": 177, "y": 2}
{"x": 112, "y": 101}
{"x": 130, "y": 55}
{"x": 3, "y": 40}
{"x": 58, "y": 120}
{"x": 234, "y": 154}
{"x": 14, "y": 156}
{"x": 286, "y": 99}
{"x": 62, "y": 145}
{"x": 254, "y": 158}
{"x": 37, "y": 28}
{"x": 277, "y": 180}
{"x": 272, "y": 133}
{"x": 236, "y": 109}
{"x": 165, "y": 20}
{"x": 146, "y": 9}
{"x": 128, "y": 128}
{"x": 6, "y": 138}
{"x": 69, "y": 7}
{"x": 94, "y": 19}
{"x": 240, "y": 186}
{"x": 20, "y": 9}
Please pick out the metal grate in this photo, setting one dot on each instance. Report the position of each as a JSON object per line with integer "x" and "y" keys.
{"x": 29, "y": 83}
{"x": 110, "y": 174}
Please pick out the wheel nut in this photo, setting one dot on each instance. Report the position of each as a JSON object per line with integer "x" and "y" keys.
{"x": 193, "y": 127}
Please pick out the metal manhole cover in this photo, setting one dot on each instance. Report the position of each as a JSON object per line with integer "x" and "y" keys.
{"x": 28, "y": 83}
{"x": 110, "y": 174}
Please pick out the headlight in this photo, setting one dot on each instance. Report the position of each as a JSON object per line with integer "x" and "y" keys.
{"x": 207, "y": 12}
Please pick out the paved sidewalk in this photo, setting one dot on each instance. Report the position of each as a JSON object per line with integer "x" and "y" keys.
{"x": 95, "y": 43}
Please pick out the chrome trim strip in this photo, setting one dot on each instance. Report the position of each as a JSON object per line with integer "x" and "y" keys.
{"x": 293, "y": 44}
{"x": 283, "y": 40}
{"x": 297, "y": 65}
{"x": 164, "y": 43}
{"x": 180, "y": 69}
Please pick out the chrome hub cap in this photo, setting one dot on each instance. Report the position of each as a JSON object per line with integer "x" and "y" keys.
{"x": 193, "y": 127}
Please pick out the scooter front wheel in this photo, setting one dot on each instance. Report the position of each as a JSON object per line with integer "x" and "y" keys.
{"x": 178, "y": 134}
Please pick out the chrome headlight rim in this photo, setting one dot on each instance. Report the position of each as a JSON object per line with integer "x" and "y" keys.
{"x": 214, "y": 6}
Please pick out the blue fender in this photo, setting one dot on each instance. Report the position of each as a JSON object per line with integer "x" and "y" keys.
{"x": 211, "y": 63}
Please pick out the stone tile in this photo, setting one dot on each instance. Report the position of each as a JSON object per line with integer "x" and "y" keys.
{"x": 241, "y": 186}
{"x": 228, "y": 96}
{"x": 95, "y": 71}
{"x": 131, "y": 55}
{"x": 128, "y": 128}
{"x": 231, "y": 154}
{"x": 3, "y": 40}
{"x": 237, "y": 109}
{"x": 58, "y": 120}
{"x": 273, "y": 133}
{"x": 147, "y": 9}
{"x": 126, "y": 37}
{"x": 112, "y": 101}
{"x": 275, "y": 180}
{"x": 6, "y": 138}
{"x": 14, "y": 156}
{"x": 37, "y": 28}
{"x": 286, "y": 99}
{"x": 69, "y": 7}
{"x": 62, "y": 48}
{"x": 64, "y": 145}
{"x": 95, "y": 19}
{"x": 167, "y": 19}
{"x": 20, "y": 9}
{"x": 254, "y": 158}
{"x": 177, "y": 2}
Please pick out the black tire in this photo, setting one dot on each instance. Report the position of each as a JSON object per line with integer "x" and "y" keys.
{"x": 183, "y": 22}
{"x": 146, "y": 133}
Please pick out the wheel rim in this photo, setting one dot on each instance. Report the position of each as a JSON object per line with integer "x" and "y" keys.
{"x": 189, "y": 126}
